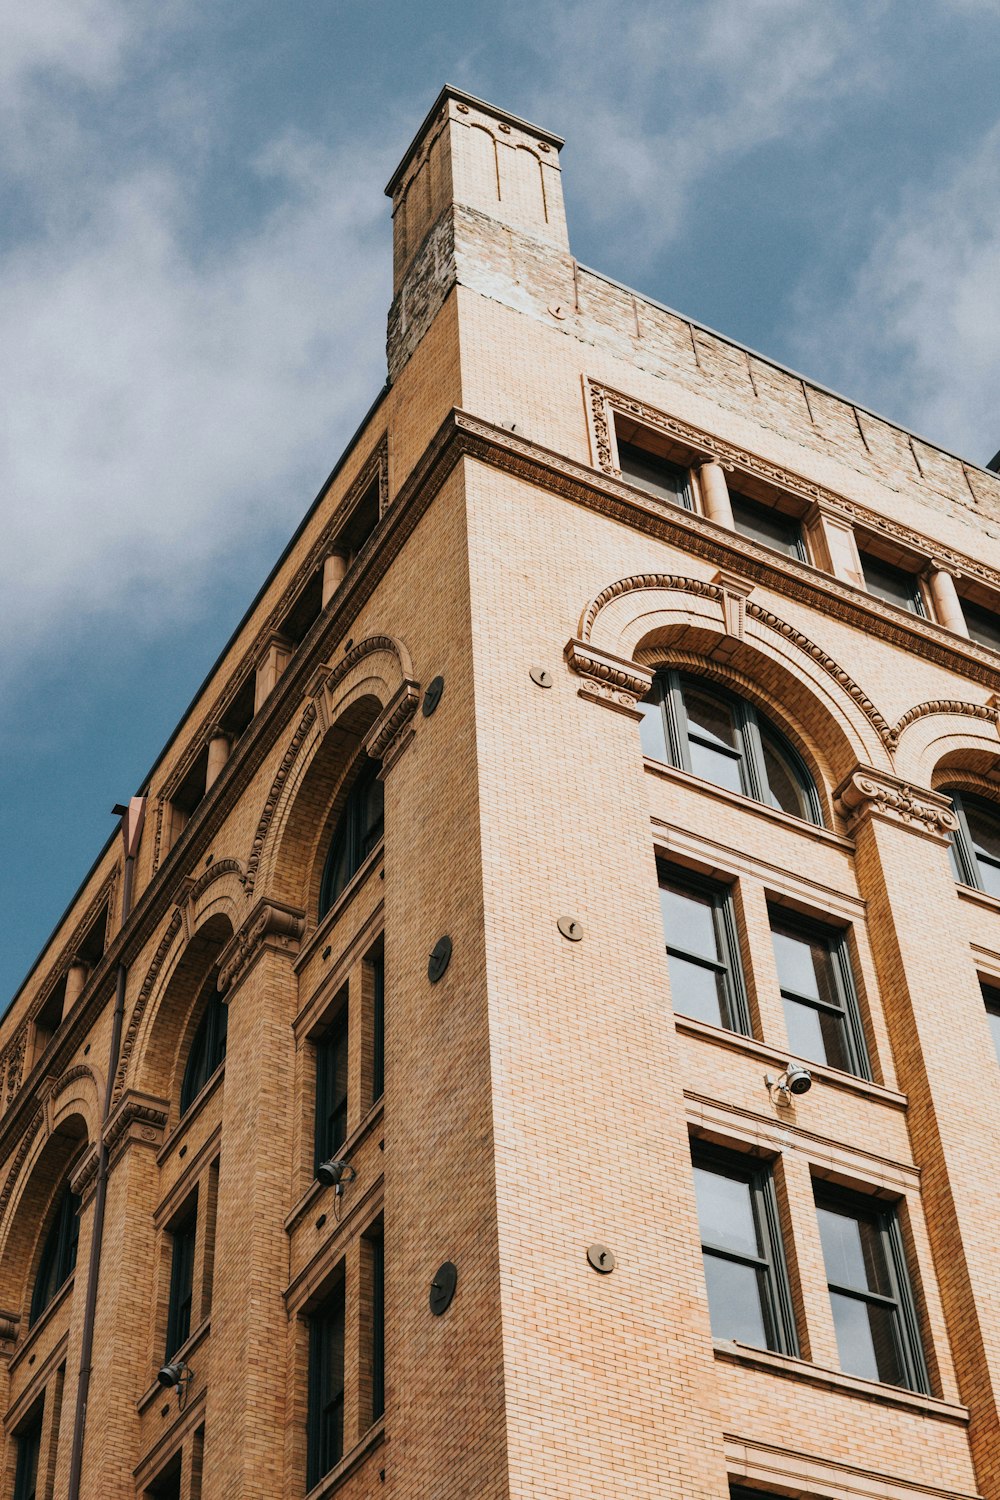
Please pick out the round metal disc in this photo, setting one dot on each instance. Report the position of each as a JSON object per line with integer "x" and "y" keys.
{"x": 540, "y": 676}
{"x": 443, "y": 1288}
{"x": 601, "y": 1258}
{"x": 432, "y": 696}
{"x": 440, "y": 959}
{"x": 570, "y": 929}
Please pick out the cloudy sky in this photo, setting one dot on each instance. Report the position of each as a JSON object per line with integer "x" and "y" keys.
{"x": 195, "y": 269}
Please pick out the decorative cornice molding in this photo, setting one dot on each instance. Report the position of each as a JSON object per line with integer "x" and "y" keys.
{"x": 988, "y": 711}
{"x": 271, "y": 801}
{"x": 12, "y": 1062}
{"x": 103, "y": 896}
{"x": 870, "y": 793}
{"x": 136, "y": 1118}
{"x": 85, "y": 1176}
{"x": 142, "y": 999}
{"x": 189, "y": 890}
{"x": 608, "y": 679}
{"x": 393, "y": 729}
{"x": 271, "y": 924}
{"x": 20, "y": 1156}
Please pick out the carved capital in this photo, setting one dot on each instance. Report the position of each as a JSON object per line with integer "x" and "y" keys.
{"x": 270, "y": 925}
{"x": 613, "y": 680}
{"x": 393, "y": 729}
{"x": 8, "y": 1330}
{"x": 868, "y": 793}
{"x": 85, "y": 1176}
{"x": 735, "y": 593}
{"x": 138, "y": 1119}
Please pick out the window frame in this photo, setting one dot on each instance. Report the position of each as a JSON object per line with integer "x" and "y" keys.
{"x": 836, "y": 941}
{"x": 730, "y": 962}
{"x": 919, "y": 606}
{"x": 973, "y": 612}
{"x": 375, "y": 958}
{"x": 325, "y": 1449}
{"x": 684, "y": 495}
{"x": 350, "y": 835}
{"x": 965, "y": 860}
{"x": 991, "y": 1004}
{"x": 752, "y": 729}
{"x": 792, "y": 523}
{"x": 777, "y": 1309}
{"x": 906, "y": 1324}
{"x": 58, "y": 1253}
{"x": 328, "y": 1105}
{"x": 28, "y": 1438}
{"x": 180, "y": 1301}
{"x": 207, "y": 1051}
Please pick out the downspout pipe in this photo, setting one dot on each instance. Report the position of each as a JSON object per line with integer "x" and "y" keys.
{"x": 133, "y": 818}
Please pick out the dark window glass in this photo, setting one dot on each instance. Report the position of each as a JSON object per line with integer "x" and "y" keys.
{"x": 58, "y": 1258}
{"x": 767, "y": 525}
{"x": 181, "y": 1284}
{"x": 721, "y": 737}
{"x": 29, "y": 1443}
{"x": 377, "y": 961}
{"x": 869, "y": 1290}
{"x": 705, "y": 977}
{"x": 378, "y": 1327}
{"x": 744, "y": 1268}
{"x": 358, "y": 832}
{"x": 817, "y": 990}
{"x": 894, "y": 585}
{"x": 167, "y": 1485}
{"x": 331, "y": 1089}
{"x": 325, "y": 1419}
{"x": 976, "y": 842}
{"x": 984, "y": 624}
{"x": 208, "y": 1046}
{"x": 991, "y": 999}
{"x": 655, "y": 474}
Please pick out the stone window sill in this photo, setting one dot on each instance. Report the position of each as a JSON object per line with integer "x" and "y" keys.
{"x": 660, "y": 768}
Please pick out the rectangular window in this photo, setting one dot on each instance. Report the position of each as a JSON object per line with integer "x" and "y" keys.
{"x": 745, "y": 1274}
{"x": 377, "y": 1245}
{"x": 984, "y": 624}
{"x": 817, "y": 990}
{"x": 167, "y": 1484}
{"x": 657, "y": 475}
{"x": 765, "y": 524}
{"x": 181, "y": 1283}
{"x": 991, "y": 999}
{"x": 894, "y": 585}
{"x": 325, "y": 1417}
{"x": 377, "y": 961}
{"x": 331, "y": 1088}
{"x": 29, "y": 1444}
{"x": 706, "y": 980}
{"x": 873, "y": 1312}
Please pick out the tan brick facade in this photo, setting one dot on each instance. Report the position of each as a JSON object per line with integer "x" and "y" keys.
{"x": 540, "y": 1097}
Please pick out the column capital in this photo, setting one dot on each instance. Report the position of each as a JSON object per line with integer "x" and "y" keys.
{"x": 869, "y": 793}
{"x": 270, "y": 925}
{"x": 608, "y": 679}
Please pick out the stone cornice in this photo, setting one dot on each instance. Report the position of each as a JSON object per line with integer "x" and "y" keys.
{"x": 271, "y": 924}
{"x": 868, "y": 793}
{"x": 608, "y": 679}
{"x": 462, "y": 435}
{"x": 393, "y": 729}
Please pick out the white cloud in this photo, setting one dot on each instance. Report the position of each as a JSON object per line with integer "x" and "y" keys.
{"x": 919, "y": 326}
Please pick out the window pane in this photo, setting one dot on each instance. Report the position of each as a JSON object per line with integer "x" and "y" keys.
{"x": 653, "y": 473}
{"x": 984, "y": 830}
{"x": 29, "y": 1442}
{"x": 817, "y": 1035}
{"x": 784, "y": 785}
{"x": 991, "y": 997}
{"x": 853, "y": 1249}
{"x": 735, "y": 1301}
{"x": 764, "y": 524}
{"x": 710, "y": 718}
{"x": 725, "y": 1212}
{"x": 698, "y": 992}
{"x": 651, "y": 734}
{"x": 895, "y": 585}
{"x": 802, "y": 964}
{"x": 689, "y": 921}
{"x": 721, "y": 770}
{"x": 984, "y": 624}
{"x": 866, "y": 1339}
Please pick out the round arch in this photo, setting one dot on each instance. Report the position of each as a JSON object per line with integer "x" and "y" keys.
{"x": 937, "y": 740}
{"x": 35, "y": 1185}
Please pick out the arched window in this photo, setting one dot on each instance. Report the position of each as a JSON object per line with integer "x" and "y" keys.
{"x": 975, "y": 847}
{"x": 355, "y": 836}
{"x": 209, "y": 1045}
{"x": 58, "y": 1258}
{"x": 711, "y": 732}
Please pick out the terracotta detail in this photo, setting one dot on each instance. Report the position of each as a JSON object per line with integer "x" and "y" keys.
{"x": 867, "y": 791}
{"x": 269, "y": 922}
{"x": 142, "y": 999}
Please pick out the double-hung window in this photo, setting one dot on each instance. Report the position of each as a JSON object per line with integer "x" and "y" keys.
{"x": 716, "y": 735}
{"x": 208, "y": 1045}
{"x": 818, "y": 994}
{"x": 706, "y": 980}
{"x": 29, "y": 1443}
{"x": 332, "y": 1087}
{"x": 325, "y": 1413}
{"x": 357, "y": 834}
{"x": 657, "y": 475}
{"x": 975, "y": 845}
{"x": 991, "y": 999}
{"x": 182, "y": 1238}
{"x": 765, "y": 524}
{"x": 58, "y": 1258}
{"x": 877, "y": 1333}
{"x": 745, "y": 1275}
{"x": 893, "y": 584}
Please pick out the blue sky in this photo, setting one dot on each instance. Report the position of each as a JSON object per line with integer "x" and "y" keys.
{"x": 195, "y": 273}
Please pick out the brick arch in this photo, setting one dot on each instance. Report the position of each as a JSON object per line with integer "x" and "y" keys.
{"x": 162, "y": 1033}
{"x": 938, "y": 739}
{"x": 657, "y": 618}
{"x": 41, "y": 1169}
{"x": 365, "y": 706}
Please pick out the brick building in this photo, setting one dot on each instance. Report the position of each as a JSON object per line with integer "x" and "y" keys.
{"x": 612, "y": 755}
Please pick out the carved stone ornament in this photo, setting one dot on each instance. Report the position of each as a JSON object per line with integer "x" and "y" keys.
{"x": 393, "y": 729}
{"x": 8, "y": 1329}
{"x": 270, "y": 924}
{"x": 868, "y": 793}
{"x": 735, "y": 593}
{"x": 608, "y": 679}
{"x": 85, "y": 1176}
{"x": 138, "y": 1118}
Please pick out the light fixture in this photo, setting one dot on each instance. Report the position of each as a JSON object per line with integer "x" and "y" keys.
{"x": 335, "y": 1173}
{"x": 177, "y": 1374}
{"x": 794, "y": 1080}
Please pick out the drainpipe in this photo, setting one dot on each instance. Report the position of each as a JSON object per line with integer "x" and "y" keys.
{"x": 132, "y": 817}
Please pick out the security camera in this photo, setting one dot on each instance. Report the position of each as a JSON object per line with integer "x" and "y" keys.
{"x": 176, "y": 1374}
{"x": 335, "y": 1173}
{"x": 794, "y": 1080}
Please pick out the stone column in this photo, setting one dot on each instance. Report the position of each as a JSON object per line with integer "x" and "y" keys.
{"x": 944, "y": 596}
{"x": 715, "y": 493}
{"x": 76, "y": 978}
{"x": 246, "y": 1399}
{"x": 219, "y": 746}
{"x": 945, "y": 1062}
{"x": 334, "y": 571}
{"x": 833, "y": 544}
